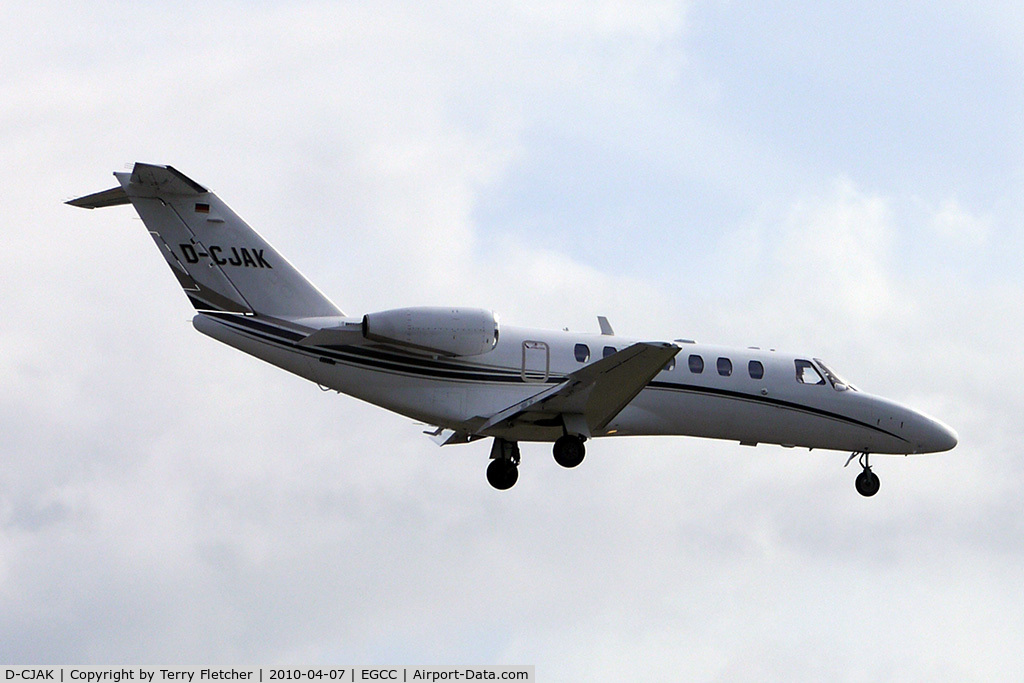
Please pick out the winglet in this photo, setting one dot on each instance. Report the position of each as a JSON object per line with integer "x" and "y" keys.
{"x": 606, "y": 327}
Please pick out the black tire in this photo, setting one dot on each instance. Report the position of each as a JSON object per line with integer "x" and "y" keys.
{"x": 502, "y": 474}
{"x": 569, "y": 451}
{"x": 867, "y": 483}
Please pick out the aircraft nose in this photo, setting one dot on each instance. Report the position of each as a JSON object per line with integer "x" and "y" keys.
{"x": 936, "y": 436}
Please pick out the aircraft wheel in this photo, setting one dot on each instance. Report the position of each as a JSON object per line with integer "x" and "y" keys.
{"x": 569, "y": 451}
{"x": 502, "y": 474}
{"x": 867, "y": 483}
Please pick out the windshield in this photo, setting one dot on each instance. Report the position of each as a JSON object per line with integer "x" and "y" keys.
{"x": 837, "y": 382}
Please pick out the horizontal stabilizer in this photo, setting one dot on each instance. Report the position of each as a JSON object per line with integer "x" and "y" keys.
{"x": 220, "y": 262}
{"x": 165, "y": 180}
{"x": 99, "y": 200}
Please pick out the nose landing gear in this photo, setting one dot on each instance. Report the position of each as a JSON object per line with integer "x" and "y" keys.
{"x": 867, "y": 481}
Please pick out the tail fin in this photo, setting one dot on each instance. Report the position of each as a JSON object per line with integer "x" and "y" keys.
{"x": 220, "y": 262}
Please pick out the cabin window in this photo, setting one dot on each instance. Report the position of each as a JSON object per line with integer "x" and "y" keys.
{"x": 724, "y": 367}
{"x": 756, "y": 369}
{"x": 608, "y": 351}
{"x": 696, "y": 364}
{"x": 806, "y": 373}
{"x": 582, "y": 353}
{"x": 670, "y": 365}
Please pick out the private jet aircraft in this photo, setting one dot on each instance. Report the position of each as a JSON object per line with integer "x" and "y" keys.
{"x": 458, "y": 369}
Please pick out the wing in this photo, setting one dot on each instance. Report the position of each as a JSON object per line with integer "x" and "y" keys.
{"x": 593, "y": 395}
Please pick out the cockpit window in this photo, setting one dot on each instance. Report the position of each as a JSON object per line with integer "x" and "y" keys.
{"x": 837, "y": 382}
{"x": 806, "y": 373}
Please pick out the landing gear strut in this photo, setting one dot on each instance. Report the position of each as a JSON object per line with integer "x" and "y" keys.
{"x": 867, "y": 481}
{"x": 503, "y": 472}
{"x": 569, "y": 450}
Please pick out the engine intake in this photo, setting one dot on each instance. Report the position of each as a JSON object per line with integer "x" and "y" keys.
{"x": 445, "y": 331}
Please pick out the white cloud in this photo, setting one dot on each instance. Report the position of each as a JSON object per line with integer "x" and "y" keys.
{"x": 834, "y": 253}
{"x": 954, "y": 223}
{"x": 821, "y": 269}
{"x": 164, "y": 498}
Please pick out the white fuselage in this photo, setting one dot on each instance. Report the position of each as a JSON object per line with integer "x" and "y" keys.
{"x": 750, "y": 395}
{"x": 459, "y": 369}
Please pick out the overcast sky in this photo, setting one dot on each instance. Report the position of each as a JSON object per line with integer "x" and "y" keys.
{"x": 844, "y": 180}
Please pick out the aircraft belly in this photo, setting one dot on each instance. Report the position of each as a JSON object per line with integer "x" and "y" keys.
{"x": 460, "y": 403}
{"x": 296, "y": 363}
{"x": 436, "y": 401}
{"x": 748, "y": 420}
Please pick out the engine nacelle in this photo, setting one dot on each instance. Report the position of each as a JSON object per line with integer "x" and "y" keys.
{"x": 445, "y": 331}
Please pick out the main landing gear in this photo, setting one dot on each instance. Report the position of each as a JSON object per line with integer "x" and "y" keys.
{"x": 569, "y": 450}
{"x": 867, "y": 481}
{"x": 503, "y": 472}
